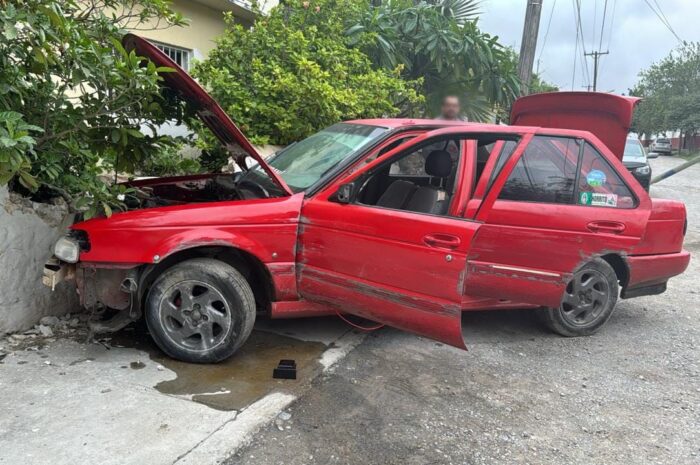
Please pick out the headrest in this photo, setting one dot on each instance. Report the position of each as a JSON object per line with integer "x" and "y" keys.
{"x": 438, "y": 164}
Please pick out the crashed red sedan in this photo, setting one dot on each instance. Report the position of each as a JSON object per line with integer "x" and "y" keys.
{"x": 404, "y": 222}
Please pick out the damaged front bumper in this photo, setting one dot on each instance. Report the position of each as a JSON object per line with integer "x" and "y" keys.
{"x": 56, "y": 271}
{"x": 99, "y": 288}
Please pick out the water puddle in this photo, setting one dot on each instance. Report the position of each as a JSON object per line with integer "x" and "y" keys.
{"x": 238, "y": 381}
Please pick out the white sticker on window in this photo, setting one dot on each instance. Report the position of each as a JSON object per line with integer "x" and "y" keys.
{"x": 603, "y": 200}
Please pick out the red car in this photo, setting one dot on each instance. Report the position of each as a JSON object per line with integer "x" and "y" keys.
{"x": 404, "y": 222}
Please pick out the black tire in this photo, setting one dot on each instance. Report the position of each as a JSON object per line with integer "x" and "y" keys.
{"x": 200, "y": 311}
{"x": 584, "y": 309}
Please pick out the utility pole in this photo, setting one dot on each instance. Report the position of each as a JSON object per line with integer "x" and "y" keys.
{"x": 596, "y": 56}
{"x": 529, "y": 44}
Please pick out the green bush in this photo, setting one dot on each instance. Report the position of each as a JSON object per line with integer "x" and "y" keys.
{"x": 170, "y": 162}
{"x": 73, "y": 102}
{"x": 294, "y": 73}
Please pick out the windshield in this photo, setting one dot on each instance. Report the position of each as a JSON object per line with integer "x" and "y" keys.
{"x": 303, "y": 163}
{"x": 634, "y": 151}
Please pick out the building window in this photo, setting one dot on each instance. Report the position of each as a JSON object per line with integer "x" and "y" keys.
{"x": 181, "y": 56}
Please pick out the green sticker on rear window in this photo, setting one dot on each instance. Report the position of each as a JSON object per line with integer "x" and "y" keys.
{"x": 585, "y": 198}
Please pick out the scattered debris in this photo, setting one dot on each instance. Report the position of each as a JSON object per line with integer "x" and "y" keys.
{"x": 287, "y": 369}
{"x": 48, "y": 330}
{"x": 283, "y": 421}
{"x": 45, "y": 331}
{"x": 49, "y": 321}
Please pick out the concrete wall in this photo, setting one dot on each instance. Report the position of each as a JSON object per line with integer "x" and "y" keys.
{"x": 27, "y": 233}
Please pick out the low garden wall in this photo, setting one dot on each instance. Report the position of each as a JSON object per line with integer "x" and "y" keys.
{"x": 28, "y": 231}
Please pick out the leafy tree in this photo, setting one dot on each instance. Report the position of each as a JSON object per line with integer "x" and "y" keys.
{"x": 539, "y": 85}
{"x": 671, "y": 93}
{"x": 293, "y": 73}
{"x": 439, "y": 42}
{"x": 73, "y": 102}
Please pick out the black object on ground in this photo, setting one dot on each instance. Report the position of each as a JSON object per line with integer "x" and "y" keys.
{"x": 287, "y": 369}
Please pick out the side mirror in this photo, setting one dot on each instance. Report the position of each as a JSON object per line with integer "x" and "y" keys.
{"x": 345, "y": 193}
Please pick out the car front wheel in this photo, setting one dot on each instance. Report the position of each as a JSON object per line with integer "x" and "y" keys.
{"x": 588, "y": 301}
{"x": 200, "y": 311}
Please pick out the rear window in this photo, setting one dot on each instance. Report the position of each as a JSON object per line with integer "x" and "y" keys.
{"x": 662, "y": 141}
{"x": 599, "y": 185}
{"x": 549, "y": 171}
{"x": 634, "y": 151}
{"x": 546, "y": 172}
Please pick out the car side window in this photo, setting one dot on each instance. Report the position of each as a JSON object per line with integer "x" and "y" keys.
{"x": 413, "y": 165}
{"x": 506, "y": 151}
{"x": 546, "y": 172}
{"x": 599, "y": 185}
{"x": 419, "y": 180}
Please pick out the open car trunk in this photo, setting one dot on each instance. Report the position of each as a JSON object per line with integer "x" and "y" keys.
{"x": 607, "y": 116}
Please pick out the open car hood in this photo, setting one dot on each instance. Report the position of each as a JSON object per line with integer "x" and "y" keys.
{"x": 607, "y": 116}
{"x": 204, "y": 105}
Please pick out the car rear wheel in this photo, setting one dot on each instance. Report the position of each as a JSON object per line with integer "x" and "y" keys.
{"x": 200, "y": 311}
{"x": 588, "y": 301}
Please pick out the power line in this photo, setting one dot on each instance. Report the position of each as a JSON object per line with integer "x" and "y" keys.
{"x": 579, "y": 28}
{"x": 546, "y": 33}
{"x": 573, "y": 75}
{"x": 610, "y": 30}
{"x": 595, "y": 21}
{"x": 602, "y": 26}
{"x": 663, "y": 19}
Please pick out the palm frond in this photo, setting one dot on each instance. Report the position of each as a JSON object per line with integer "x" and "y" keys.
{"x": 462, "y": 11}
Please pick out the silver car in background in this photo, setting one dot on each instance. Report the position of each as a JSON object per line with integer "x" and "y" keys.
{"x": 661, "y": 145}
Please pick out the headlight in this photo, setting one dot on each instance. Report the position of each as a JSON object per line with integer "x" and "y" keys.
{"x": 67, "y": 249}
{"x": 643, "y": 170}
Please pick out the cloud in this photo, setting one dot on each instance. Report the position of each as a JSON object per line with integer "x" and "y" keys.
{"x": 636, "y": 40}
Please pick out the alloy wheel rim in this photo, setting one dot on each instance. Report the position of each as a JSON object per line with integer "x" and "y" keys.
{"x": 195, "y": 315}
{"x": 585, "y": 298}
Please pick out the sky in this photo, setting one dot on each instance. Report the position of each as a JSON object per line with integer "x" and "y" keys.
{"x": 633, "y": 34}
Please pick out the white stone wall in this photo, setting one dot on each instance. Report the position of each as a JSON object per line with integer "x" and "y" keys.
{"x": 28, "y": 231}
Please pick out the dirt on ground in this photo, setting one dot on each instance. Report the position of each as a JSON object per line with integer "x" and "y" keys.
{"x": 627, "y": 395}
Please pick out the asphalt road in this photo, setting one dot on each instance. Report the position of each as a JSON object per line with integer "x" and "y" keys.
{"x": 628, "y": 395}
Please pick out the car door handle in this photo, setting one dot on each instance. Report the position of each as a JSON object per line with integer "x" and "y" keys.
{"x": 445, "y": 241}
{"x": 609, "y": 227}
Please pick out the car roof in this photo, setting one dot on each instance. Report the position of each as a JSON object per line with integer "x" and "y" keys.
{"x": 407, "y": 123}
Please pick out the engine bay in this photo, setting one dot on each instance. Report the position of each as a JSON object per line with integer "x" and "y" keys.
{"x": 161, "y": 192}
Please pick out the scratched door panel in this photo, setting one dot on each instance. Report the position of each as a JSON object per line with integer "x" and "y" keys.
{"x": 528, "y": 251}
{"x": 377, "y": 264}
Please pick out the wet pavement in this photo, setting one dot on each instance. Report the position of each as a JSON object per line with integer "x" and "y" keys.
{"x": 120, "y": 400}
{"x": 237, "y": 382}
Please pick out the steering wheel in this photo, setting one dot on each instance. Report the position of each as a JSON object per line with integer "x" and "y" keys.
{"x": 255, "y": 186}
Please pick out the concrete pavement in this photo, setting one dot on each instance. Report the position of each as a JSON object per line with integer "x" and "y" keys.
{"x": 120, "y": 401}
